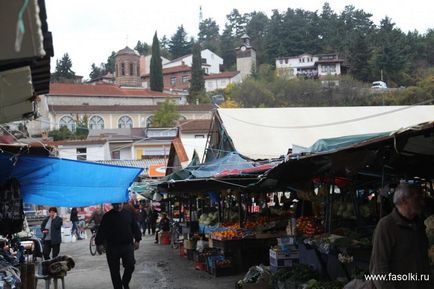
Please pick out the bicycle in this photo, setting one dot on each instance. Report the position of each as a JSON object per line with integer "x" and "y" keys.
{"x": 92, "y": 245}
{"x": 176, "y": 232}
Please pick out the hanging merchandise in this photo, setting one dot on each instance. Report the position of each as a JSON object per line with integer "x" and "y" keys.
{"x": 11, "y": 207}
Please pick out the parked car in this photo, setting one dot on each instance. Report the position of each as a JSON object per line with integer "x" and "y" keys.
{"x": 379, "y": 85}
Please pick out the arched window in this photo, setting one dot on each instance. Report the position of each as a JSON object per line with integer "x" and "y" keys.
{"x": 67, "y": 122}
{"x": 125, "y": 122}
{"x": 96, "y": 122}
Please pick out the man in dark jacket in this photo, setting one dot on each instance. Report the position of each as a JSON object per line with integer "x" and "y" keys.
{"x": 400, "y": 246}
{"x": 51, "y": 228}
{"x": 121, "y": 235}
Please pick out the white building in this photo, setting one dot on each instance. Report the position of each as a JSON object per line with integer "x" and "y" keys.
{"x": 210, "y": 61}
{"x": 221, "y": 80}
{"x": 145, "y": 64}
{"x": 85, "y": 150}
{"x": 309, "y": 66}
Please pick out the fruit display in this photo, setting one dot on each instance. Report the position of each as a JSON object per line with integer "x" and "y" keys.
{"x": 231, "y": 234}
{"x": 223, "y": 263}
{"x": 308, "y": 226}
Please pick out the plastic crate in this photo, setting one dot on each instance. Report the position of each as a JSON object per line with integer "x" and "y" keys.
{"x": 210, "y": 261}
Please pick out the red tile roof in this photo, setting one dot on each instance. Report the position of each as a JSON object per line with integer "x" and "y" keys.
{"x": 139, "y": 108}
{"x": 71, "y": 89}
{"x": 175, "y": 69}
{"x": 195, "y": 125}
{"x": 226, "y": 74}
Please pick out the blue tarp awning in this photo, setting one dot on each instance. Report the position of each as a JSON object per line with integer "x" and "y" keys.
{"x": 67, "y": 183}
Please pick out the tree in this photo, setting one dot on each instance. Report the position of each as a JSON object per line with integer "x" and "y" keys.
{"x": 166, "y": 116}
{"x": 110, "y": 65}
{"x": 63, "y": 69}
{"x": 208, "y": 35}
{"x": 156, "y": 69}
{"x": 197, "y": 85}
{"x": 96, "y": 71}
{"x": 358, "y": 58}
{"x": 178, "y": 45}
{"x": 256, "y": 29}
{"x": 142, "y": 48}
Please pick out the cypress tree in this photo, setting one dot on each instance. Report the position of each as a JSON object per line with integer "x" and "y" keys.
{"x": 197, "y": 85}
{"x": 156, "y": 69}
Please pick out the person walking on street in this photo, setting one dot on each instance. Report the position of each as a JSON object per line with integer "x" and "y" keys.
{"x": 51, "y": 228}
{"x": 74, "y": 220}
{"x": 400, "y": 246}
{"x": 142, "y": 219}
{"x": 152, "y": 217}
{"x": 120, "y": 235}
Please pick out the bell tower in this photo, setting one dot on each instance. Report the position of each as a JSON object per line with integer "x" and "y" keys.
{"x": 127, "y": 68}
{"x": 246, "y": 57}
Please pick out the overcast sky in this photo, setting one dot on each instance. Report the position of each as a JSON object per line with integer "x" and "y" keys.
{"x": 89, "y": 30}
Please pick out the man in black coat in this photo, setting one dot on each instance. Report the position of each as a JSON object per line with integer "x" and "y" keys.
{"x": 120, "y": 234}
{"x": 51, "y": 228}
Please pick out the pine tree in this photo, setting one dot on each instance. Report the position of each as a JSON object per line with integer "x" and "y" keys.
{"x": 179, "y": 46}
{"x": 156, "y": 69}
{"x": 197, "y": 85}
{"x": 63, "y": 69}
{"x": 96, "y": 71}
{"x": 358, "y": 58}
{"x": 110, "y": 65}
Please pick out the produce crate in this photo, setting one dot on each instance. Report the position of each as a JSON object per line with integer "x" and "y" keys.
{"x": 288, "y": 254}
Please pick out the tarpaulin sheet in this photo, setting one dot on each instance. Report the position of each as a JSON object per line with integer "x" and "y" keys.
{"x": 67, "y": 183}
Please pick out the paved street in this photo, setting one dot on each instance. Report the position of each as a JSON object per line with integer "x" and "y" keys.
{"x": 157, "y": 266}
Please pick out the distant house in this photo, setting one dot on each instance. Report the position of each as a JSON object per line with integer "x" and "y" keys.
{"x": 174, "y": 78}
{"x": 221, "y": 80}
{"x": 194, "y": 128}
{"x": 211, "y": 62}
{"x": 145, "y": 64}
{"x": 309, "y": 66}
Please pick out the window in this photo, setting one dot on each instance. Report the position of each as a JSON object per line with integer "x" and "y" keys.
{"x": 116, "y": 155}
{"x": 123, "y": 69}
{"x": 203, "y": 60}
{"x": 67, "y": 122}
{"x": 81, "y": 154}
{"x": 281, "y": 61}
{"x": 125, "y": 122}
{"x": 223, "y": 82}
{"x": 172, "y": 80}
{"x": 138, "y": 70}
{"x": 131, "y": 69}
{"x": 184, "y": 78}
{"x": 116, "y": 70}
{"x": 96, "y": 122}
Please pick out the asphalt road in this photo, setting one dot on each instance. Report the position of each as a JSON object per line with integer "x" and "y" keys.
{"x": 157, "y": 267}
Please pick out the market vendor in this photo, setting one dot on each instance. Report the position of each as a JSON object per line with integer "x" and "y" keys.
{"x": 400, "y": 245}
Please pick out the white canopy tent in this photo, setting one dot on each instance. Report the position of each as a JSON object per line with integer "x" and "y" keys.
{"x": 264, "y": 133}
